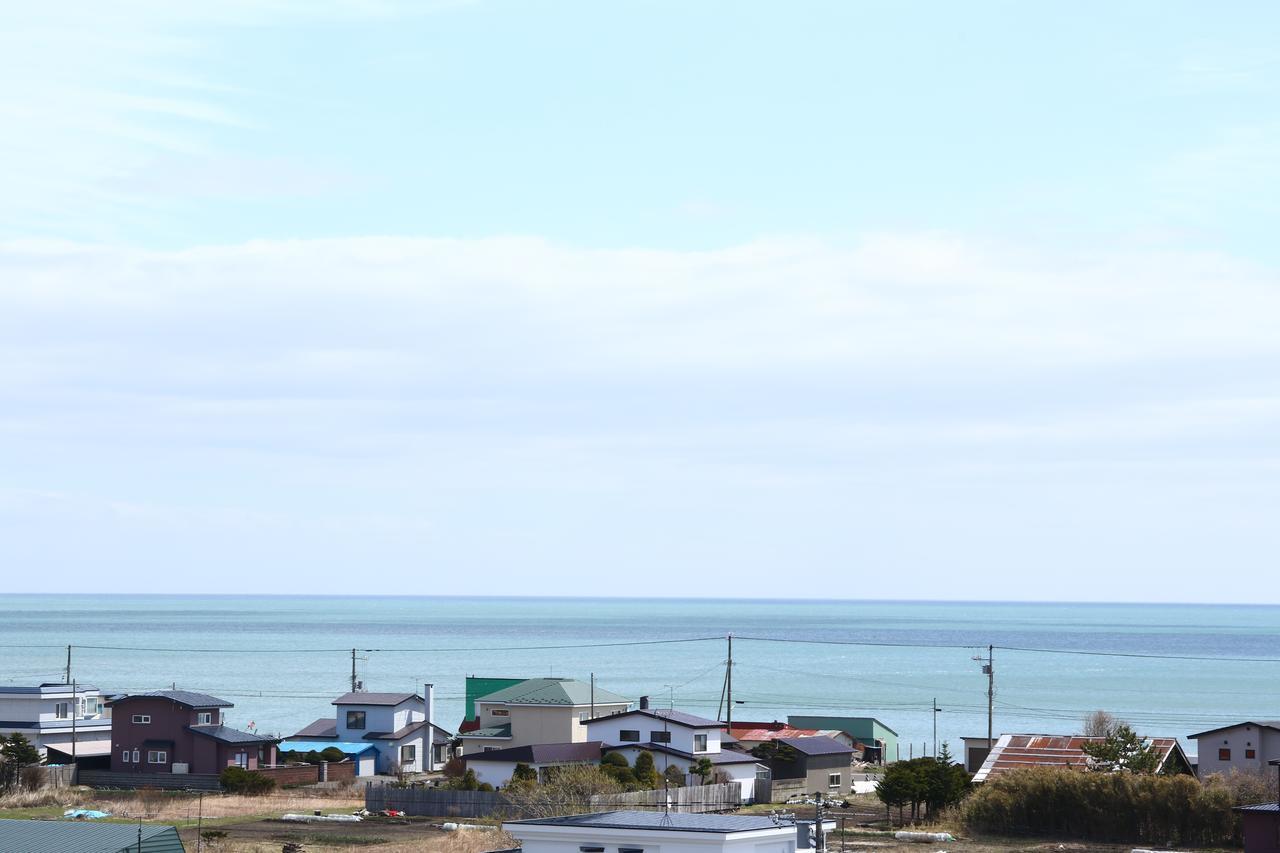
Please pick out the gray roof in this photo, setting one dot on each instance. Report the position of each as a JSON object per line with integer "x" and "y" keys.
{"x": 542, "y": 753}
{"x": 554, "y": 691}
{"x": 56, "y": 836}
{"x": 677, "y": 821}
{"x": 321, "y": 728}
{"x": 375, "y": 698}
{"x": 1260, "y": 807}
{"x": 680, "y": 718}
{"x": 438, "y": 735}
{"x": 182, "y": 697}
{"x": 816, "y": 745}
{"x": 502, "y": 731}
{"x": 724, "y": 757}
{"x": 1262, "y": 724}
{"x": 226, "y": 734}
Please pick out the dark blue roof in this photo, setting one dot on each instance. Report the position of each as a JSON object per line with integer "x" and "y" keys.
{"x": 226, "y": 734}
{"x": 816, "y": 745}
{"x": 55, "y": 836}
{"x": 680, "y": 718}
{"x": 182, "y": 697}
{"x": 659, "y": 821}
{"x": 1260, "y": 807}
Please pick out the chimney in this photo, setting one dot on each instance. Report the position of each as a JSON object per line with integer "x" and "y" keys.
{"x": 429, "y": 698}
{"x": 644, "y": 703}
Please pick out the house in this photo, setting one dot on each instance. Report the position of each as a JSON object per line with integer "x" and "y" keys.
{"x": 677, "y": 832}
{"x": 536, "y": 711}
{"x": 401, "y": 726}
{"x": 1246, "y": 746}
{"x": 181, "y": 731}
{"x": 38, "y": 836}
{"x": 976, "y": 750}
{"x": 478, "y": 687}
{"x": 676, "y": 739}
{"x": 1014, "y": 752}
{"x": 810, "y": 765}
{"x": 57, "y": 721}
{"x": 496, "y": 766}
{"x": 880, "y": 741}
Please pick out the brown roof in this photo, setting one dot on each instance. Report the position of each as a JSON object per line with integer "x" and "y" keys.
{"x": 1016, "y": 752}
{"x": 325, "y": 727}
{"x": 769, "y": 733}
{"x": 375, "y": 698}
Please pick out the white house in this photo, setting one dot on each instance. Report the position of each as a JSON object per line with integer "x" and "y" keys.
{"x": 658, "y": 832}
{"x": 675, "y": 739}
{"x": 400, "y": 725}
{"x": 57, "y": 721}
{"x": 496, "y": 766}
{"x": 539, "y": 711}
{"x": 1246, "y": 746}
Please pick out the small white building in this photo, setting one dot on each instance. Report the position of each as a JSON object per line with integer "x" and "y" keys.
{"x": 1246, "y": 747}
{"x": 57, "y": 721}
{"x": 400, "y": 725}
{"x": 658, "y": 832}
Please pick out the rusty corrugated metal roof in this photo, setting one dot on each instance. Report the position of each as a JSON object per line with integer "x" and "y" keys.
{"x": 1015, "y": 752}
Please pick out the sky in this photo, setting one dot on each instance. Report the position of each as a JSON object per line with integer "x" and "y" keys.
{"x": 850, "y": 299}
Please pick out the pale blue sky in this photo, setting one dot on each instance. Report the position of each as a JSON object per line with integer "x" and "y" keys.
{"x": 946, "y": 300}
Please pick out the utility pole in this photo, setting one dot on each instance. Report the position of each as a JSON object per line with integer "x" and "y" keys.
{"x": 936, "y": 709}
{"x": 75, "y": 712}
{"x": 68, "y": 678}
{"x": 199, "y": 823}
{"x": 593, "y": 696}
{"x": 728, "y": 685}
{"x": 989, "y": 670}
{"x": 353, "y": 670}
{"x": 139, "y": 835}
{"x": 819, "y": 837}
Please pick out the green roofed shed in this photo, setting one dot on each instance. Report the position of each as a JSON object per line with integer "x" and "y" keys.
{"x": 60, "y": 836}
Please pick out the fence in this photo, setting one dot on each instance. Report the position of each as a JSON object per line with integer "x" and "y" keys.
{"x": 441, "y": 802}
{"x": 164, "y": 781}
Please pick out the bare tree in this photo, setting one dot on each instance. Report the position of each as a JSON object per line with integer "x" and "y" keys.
{"x": 1101, "y": 724}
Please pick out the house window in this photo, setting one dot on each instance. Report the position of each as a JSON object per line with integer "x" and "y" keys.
{"x": 136, "y": 756}
{"x": 157, "y": 756}
{"x": 62, "y": 710}
{"x": 699, "y": 743}
{"x": 583, "y": 716}
{"x": 629, "y": 735}
{"x": 242, "y": 759}
{"x": 630, "y": 850}
{"x": 141, "y": 719}
{"x": 1250, "y": 753}
{"x": 408, "y": 754}
{"x": 833, "y": 780}
{"x": 500, "y": 712}
{"x": 92, "y": 706}
{"x": 1224, "y": 755}
{"x": 204, "y": 718}
{"x": 660, "y": 737}
{"x": 124, "y": 756}
{"x": 355, "y": 719}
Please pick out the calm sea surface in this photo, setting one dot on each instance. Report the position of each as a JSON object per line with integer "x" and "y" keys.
{"x": 275, "y": 667}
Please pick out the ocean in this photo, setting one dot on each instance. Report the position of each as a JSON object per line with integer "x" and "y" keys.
{"x": 281, "y": 660}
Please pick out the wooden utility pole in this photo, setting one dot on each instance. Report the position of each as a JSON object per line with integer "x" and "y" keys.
{"x": 353, "y": 670}
{"x": 991, "y": 694}
{"x": 68, "y": 678}
{"x": 936, "y": 709}
{"x": 75, "y": 711}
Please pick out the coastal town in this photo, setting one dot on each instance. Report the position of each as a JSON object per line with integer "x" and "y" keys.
{"x": 553, "y": 763}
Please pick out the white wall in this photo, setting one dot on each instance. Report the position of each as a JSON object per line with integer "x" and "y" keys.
{"x": 496, "y": 773}
{"x": 554, "y": 839}
{"x": 1265, "y": 743}
{"x": 609, "y": 728}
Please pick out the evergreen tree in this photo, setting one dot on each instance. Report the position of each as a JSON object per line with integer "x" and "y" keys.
{"x": 646, "y": 772}
{"x": 1122, "y": 751}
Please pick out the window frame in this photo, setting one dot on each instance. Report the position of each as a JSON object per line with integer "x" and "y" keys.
{"x": 157, "y": 756}
{"x": 1250, "y": 753}
{"x": 839, "y": 780}
{"x": 364, "y": 720}
{"x": 204, "y": 718}
{"x": 412, "y": 753}
{"x": 1224, "y": 753}
{"x": 141, "y": 719}
{"x": 124, "y": 759}
{"x": 657, "y": 736}
{"x": 623, "y": 735}
{"x": 62, "y": 710}
{"x": 500, "y": 712}
{"x": 703, "y": 739}
{"x": 137, "y": 756}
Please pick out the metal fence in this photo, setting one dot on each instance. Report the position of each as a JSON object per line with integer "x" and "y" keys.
{"x": 442, "y": 802}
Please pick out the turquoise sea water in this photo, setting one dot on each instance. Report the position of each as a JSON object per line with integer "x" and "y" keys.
{"x": 270, "y": 671}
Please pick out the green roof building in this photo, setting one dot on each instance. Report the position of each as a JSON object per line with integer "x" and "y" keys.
{"x": 60, "y": 836}
{"x": 868, "y": 730}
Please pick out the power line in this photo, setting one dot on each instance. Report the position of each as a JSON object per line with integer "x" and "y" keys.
{"x": 347, "y": 650}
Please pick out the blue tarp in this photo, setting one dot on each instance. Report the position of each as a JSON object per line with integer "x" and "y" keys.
{"x": 349, "y": 747}
{"x": 85, "y": 814}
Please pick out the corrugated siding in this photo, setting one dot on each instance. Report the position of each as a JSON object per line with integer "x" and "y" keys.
{"x": 51, "y": 836}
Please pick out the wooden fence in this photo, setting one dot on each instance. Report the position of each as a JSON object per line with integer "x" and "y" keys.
{"x": 442, "y": 802}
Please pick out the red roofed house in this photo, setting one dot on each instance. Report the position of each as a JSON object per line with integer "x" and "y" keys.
{"x": 1015, "y": 752}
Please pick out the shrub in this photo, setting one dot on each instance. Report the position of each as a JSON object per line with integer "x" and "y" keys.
{"x": 645, "y": 770}
{"x": 33, "y": 777}
{"x": 313, "y": 757}
{"x": 673, "y": 775}
{"x": 455, "y": 767}
{"x": 237, "y": 780}
{"x": 332, "y": 753}
{"x": 1111, "y": 807}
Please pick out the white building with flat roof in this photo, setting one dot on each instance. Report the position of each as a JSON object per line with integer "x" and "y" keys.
{"x": 660, "y": 832}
